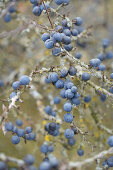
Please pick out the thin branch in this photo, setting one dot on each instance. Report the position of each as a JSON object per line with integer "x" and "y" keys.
{"x": 5, "y": 158}
{"x": 108, "y": 94}
{"x": 102, "y": 127}
{"x": 79, "y": 165}
{"x": 14, "y": 32}
{"x": 47, "y": 14}
{"x": 21, "y": 28}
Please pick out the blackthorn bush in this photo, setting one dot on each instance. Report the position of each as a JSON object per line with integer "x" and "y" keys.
{"x": 56, "y": 85}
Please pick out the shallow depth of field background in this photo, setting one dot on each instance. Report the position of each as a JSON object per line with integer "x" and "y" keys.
{"x": 20, "y": 53}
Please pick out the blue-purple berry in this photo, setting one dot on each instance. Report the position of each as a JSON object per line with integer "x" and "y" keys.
{"x": 15, "y": 139}
{"x": 72, "y": 71}
{"x": 16, "y": 85}
{"x": 36, "y": 11}
{"x": 87, "y": 98}
{"x": 7, "y": 18}
{"x": 56, "y": 51}
{"x": 13, "y": 94}
{"x": 68, "y": 133}
{"x": 48, "y": 110}
{"x": 110, "y": 141}
{"x": 105, "y": 43}
{"x": 78, "y": 55}
{"x": 24, "y": 80}
{"x": 9, "y": 126}
{"x": 45, "y": 36}
{"x": 53, "y": 77}
{"x": 20, "y": 132}
{"x": 67, "y": 107}
{"x": 57, "y": 100}
{"x": 28, "y": 129}
{"x": 78, "y": 21}
{"x": 86, "y": 76}
{"x": 68, "y": 117}
{"x": 59, "y": 84}
{"x": 44, "y": 148}
{"x": 80, "y": 152}
{"x": 71, "y": 141}
{"x": 29, "y": 159}
{"x": 19, "y": 122}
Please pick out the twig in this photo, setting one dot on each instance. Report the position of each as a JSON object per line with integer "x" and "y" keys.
{"x": 102, "y": 127}
{"x": 14, "y": 32}
{"x": 22, "y": 28}
{"x": 79, "y": 165}
{"x": 48, "y": 14}
{"x": 5, "y": 158}
{"x": 108, "y": 94}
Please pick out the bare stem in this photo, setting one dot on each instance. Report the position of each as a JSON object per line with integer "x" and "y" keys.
{"x": 48, "y": 14}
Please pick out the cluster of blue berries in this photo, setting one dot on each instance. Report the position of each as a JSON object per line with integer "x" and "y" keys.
{"x": 29, "y": 161}
{"x": 48, "y": 110}
{"x": 23, "y": 81}
{"x": 69, "y": 91}
{"x": 103, "y": 56}
{"x": 45, "y": 148}
{"x": 49, "y": 164}
{"x": 27, "y": 134}
{"x": 62, "y": 34}
{"x": 8, "y": 17}
{"x": 39, "y": 6}
{"x": 52, "y": 128}
{"x": 96, "y": 64}
{"x": 109, "y": 162}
